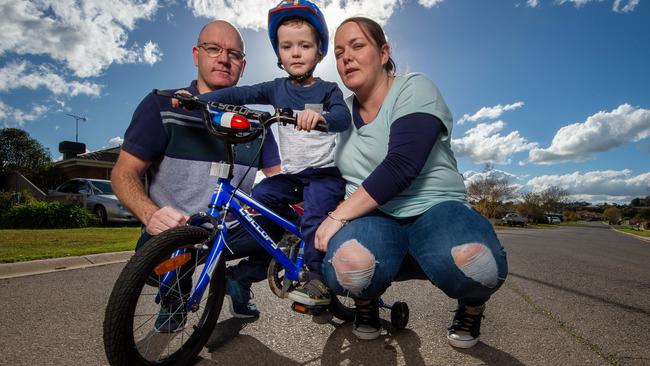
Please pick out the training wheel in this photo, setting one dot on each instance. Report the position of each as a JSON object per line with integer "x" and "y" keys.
{"x": 399, "y": 315}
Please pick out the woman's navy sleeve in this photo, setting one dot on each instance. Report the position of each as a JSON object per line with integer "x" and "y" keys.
{"x": 410, "y": 142}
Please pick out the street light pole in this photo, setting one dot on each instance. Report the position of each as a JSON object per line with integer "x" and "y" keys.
{"x": 77, "y": 119}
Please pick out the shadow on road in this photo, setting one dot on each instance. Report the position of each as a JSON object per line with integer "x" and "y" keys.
{"x": 490, "y": 355}
{"x": 584, "y": 294}
{"x": 227, "y": 346}
{"x": 343, "y": 348}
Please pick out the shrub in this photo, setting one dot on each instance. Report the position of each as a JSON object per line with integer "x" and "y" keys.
{"x": 569, "y": 216}
{"x": 45, "y": 215}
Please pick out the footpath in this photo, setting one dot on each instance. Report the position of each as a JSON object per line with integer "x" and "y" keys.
{"x": 18, "y": 269}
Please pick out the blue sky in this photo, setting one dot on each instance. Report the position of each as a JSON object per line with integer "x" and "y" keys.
{"x": 549, "y": 92}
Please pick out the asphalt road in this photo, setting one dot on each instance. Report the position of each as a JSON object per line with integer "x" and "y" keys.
{"x": 575, "y": 296}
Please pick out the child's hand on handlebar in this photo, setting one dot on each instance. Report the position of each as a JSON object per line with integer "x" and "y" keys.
{"x": 307, "y": 120}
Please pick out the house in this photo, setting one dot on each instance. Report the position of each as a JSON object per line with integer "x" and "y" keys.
{"x": 97, "y": 164}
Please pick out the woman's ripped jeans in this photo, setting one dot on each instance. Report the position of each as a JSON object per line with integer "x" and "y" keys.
{"x": 450, "y": 244}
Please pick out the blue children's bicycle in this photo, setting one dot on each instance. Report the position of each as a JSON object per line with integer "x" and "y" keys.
{"x": 182, "y": 270}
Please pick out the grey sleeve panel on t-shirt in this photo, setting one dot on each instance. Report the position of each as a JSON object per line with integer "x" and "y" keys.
{"x": 187, "y": 184}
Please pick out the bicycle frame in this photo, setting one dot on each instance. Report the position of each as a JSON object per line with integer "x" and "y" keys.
{"x": 227, "y": 198}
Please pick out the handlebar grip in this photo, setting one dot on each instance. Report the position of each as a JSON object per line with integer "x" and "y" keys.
{"x": 322, "y": 127}
{"x": 187, "y": 101}
{"x": 162, "y": 93}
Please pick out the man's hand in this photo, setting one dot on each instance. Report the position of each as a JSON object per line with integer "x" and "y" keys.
{"x": 165, "y": 218}
{"x": 307, "y": 120}
{"x": 177, "y": 103}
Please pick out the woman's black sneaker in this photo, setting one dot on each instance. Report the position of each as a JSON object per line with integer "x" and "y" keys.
{"x": 366, "y": 321}
{"x": 466, "y": 327}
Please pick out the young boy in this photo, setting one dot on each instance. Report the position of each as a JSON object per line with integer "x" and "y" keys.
{"x": 299, "y": 36}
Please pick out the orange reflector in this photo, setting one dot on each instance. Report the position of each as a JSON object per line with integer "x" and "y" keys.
{"x": 172, "y": 263}
{"x": 299, "y": 308}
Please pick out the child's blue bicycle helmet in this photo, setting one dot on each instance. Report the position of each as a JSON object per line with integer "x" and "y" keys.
{"x": 302, "y": 9}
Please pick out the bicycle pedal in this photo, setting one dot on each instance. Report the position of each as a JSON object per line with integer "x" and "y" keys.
{"x": 307, "y": 309}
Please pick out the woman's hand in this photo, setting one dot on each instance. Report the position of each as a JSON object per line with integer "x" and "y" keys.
{"x": 325, "y": 232}
{"x": 307, "y": 120}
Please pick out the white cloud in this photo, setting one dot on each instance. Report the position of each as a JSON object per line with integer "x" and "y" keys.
{"x": 13, "y": 117}
{"x": 429, "y": 3}
{"x": 25, "y": 75}
{"x": 114, "y": 142}
{"x": 597, "y": 186}
{"x": 601, "y": 132}
{"x": 151, "y": 53}
{"x": 472, "y": 176}
{"x": 87, "y": 36}
{"x": 616, "y": 6}
{"x": 576, "y": 3}
{"x": 485, "y": 144}
{"x": 252, "y": 14}
{"x": 628, "y": 7}
{"x": 490, "y": 112}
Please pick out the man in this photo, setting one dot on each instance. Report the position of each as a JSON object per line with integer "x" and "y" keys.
{"x": 173, "y": 148}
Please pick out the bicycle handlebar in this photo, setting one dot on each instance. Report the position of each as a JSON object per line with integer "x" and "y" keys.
{"x": 283, "y": 115}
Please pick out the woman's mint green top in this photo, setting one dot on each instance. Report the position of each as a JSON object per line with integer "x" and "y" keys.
{"x": 360, "y": 151}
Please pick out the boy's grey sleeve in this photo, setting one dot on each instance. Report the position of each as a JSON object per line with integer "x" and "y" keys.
{"x": 249, "y": 94}
{"x": 338, "y": 115}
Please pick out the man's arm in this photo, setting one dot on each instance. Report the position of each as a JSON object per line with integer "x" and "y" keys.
{"x": 129, "y": 189}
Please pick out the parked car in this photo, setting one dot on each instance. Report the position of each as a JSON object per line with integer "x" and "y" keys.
{"x": 553, "y": 219}
{"x": 514, "y": 219}
{"x": 100, "y": 199}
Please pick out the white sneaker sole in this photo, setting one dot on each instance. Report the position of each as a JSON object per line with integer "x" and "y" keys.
{"x": 366, "y": 336}
{"x": 306, "y": 300}
{"x": 459, "y": 343}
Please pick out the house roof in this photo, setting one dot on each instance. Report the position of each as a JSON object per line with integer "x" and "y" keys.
{"x": 109, "y": 154}
{"x": 101, "y": 158}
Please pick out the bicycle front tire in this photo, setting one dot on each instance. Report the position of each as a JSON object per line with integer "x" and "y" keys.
{"x": 131, "y": 332}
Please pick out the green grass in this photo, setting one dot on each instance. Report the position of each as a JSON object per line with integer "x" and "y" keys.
{"x": 25, "y": 245}
{"x": 629, "y": 230}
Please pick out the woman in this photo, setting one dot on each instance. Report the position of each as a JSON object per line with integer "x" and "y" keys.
{"x": 405, "y": 214}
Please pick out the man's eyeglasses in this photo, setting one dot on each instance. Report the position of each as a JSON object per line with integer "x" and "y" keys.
{"x": 214, "y": 50}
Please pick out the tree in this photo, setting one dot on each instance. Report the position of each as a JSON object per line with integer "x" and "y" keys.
{"x": 612, "y": 215}
{"x": 20, "y": 152}
{"x": 488, "y": 193}
{"x": 531, "y": 207}
{"x": 644, "y": 216}
{"x": 553, "y": 199}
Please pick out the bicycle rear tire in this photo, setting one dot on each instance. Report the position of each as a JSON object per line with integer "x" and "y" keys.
{"x": 132, "y": 294}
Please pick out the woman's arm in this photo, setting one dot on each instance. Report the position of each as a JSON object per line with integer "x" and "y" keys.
{"x": 358, "y": 204}
{"x": 411, "y": 140}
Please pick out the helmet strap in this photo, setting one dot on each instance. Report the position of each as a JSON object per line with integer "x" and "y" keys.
{"x": 299, "y": 78}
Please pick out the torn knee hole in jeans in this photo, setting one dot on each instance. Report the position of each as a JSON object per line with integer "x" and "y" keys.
{"x": 354, "y": 266}
{"x": 476, "y": 261}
